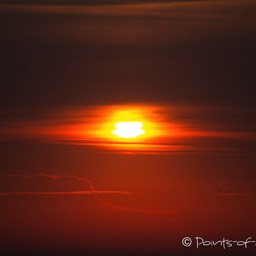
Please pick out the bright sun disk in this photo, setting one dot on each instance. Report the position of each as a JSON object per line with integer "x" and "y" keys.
{"x": 128, "y": 129}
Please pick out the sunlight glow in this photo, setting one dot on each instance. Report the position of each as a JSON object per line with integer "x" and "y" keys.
{"x": 128, "y": 129}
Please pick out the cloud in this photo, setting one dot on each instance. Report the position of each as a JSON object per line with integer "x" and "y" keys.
{"x": 104, "y": 203}
{"x": 169, "y": 129}
{"x": 35, "y": 178}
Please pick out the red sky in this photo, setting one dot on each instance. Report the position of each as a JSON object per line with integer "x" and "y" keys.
{"x": 186, "y": 69}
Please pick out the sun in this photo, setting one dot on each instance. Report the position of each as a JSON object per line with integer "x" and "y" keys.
{"x": 128, "y": 130}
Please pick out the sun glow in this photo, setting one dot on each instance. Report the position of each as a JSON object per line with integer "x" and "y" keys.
{"x": 128, "y": 129}
{"x": 131, "y": 124}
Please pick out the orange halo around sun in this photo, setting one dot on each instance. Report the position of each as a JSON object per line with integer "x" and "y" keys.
{"x": 129, "y": 124}
{"x": 128, "y": 127}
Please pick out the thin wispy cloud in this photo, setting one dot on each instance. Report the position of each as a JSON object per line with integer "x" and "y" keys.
{"x": 168, "y": 129}
{"x": 91, "y": 190}
{"x": 34, "y": 178}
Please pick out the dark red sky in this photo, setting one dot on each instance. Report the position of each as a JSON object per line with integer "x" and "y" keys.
{"x": 194, "y": 59}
